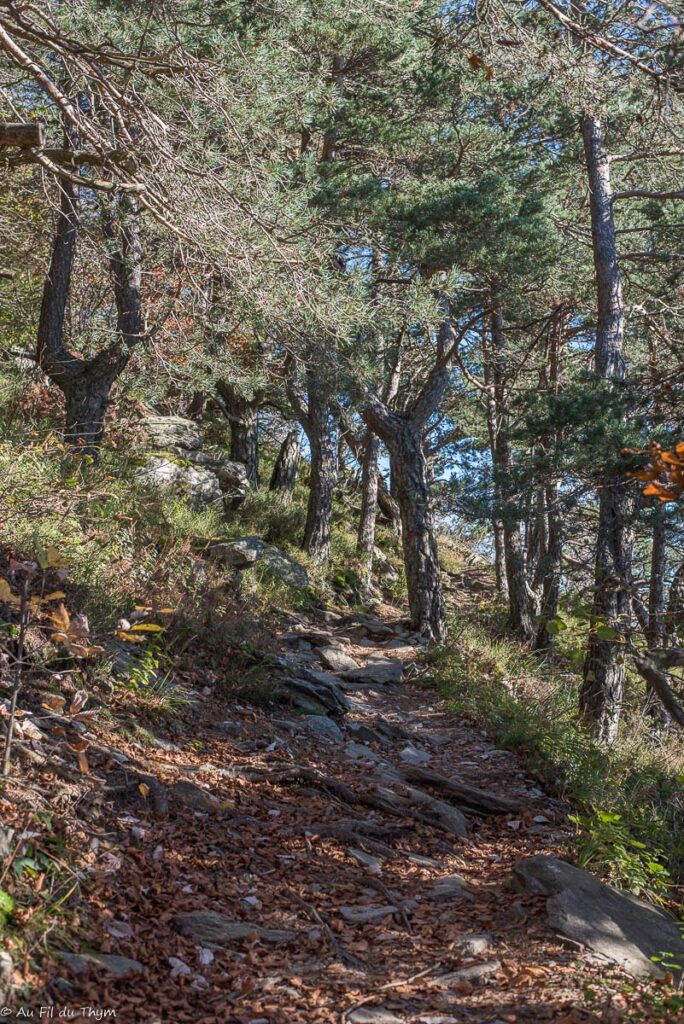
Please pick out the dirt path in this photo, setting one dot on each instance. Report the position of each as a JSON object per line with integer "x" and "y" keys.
{"x": 279, "y": 868}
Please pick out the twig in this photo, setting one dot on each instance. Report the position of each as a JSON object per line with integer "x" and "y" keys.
{"x": 18, "y": 679}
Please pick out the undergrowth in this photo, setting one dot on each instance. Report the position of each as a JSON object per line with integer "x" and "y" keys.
{"x": 630, "y": 823}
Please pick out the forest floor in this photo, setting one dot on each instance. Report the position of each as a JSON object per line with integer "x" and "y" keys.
{"x": 343, "y": 899}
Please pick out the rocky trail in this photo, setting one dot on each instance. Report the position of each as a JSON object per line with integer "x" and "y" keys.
{"x": 354, "y": 854}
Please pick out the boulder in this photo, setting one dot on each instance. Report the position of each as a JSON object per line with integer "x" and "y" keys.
{"x": 201, "y": 486}
{"x": 210, "y": 928}
{"x": 314, "y": 698}
{"x": 117, "y": 966}
{"x": 382, "y": 566}
{"x": 245, "y": 551}
{"x": 337, "y": 660}
{"x": 413, "y": 756}
{"x": 286, "y": 568}
{"x": 379, "y": 669}
{"x": 232, "y": 478}
{"x": 173, "y": 433}
{"x": 611, "y": 923}
{"x": 239, "y": 554}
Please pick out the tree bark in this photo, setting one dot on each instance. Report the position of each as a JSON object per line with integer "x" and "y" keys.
{"x": 86, "y": 383}
{"x": 284, "y": 475}
{"x": 370, "y": 474}
{"x": 319, "y": 418}
{"x": 656, "y": 590}
{"x": 243, "y": 416}
{"x": 421, "y": 561}
{"x": 321, "y": 431}
{"x": 403, "y": 435}
{"x": 604, "y": 667}
{"x": 519, "y": 606}
{"x": 551, "y": 566}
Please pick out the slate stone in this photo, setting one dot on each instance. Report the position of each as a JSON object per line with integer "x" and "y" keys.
{"x": 611, "y": 923}
{"x": 210, "y": 928}
{"x": 378, "y": 670}
{"x": 337, "y": 660}
{"x": 118, "y": 966}
{"x": 322, "y": 726}
{"x": 192, "y": 796}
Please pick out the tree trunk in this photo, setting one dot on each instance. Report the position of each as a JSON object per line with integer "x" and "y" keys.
{"x": 656, "y": 590}
{"x": 86, "y": 399}
{"x": 243, "y": 416}
{"x": 519, "y": 606}
{"x": 321, "y": 429}
{"x": 370, "y": 474}
{"x": 87, "y": 384}
{"x": 551, "y": 570}
{"x": 421, "y": 562}
{"x": 284, "y": 475}
{"x": 604, "y": 668}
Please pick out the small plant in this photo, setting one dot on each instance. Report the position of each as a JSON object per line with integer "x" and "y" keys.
{"x": 6, "y": 908}
{"x": 153, "y": 687}
{"x": 606, "y": 842}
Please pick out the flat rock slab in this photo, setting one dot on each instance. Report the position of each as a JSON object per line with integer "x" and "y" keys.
{"x": 413, "y": 755}
{"x": 379, "y": 669}
{"x": 374, "y": 1015}
{"x": 614, "y": 924}
{"x": 450, "y": 887}
{"x": 117, "y": 966}
{"x": 193, "y": 797}
{"x": 337, "y": 660}
{"x": 210, "y": 928}
{"x": 367, "y": 915}
{"x": 321, "y": 726}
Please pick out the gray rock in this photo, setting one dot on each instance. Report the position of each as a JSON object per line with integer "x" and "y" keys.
{"x": 379, "y": 669}
{"x": 201, "y": 486}
{"x": 6, "y": 975}
{"x": 210, "y": 928}
{"x": 232, "y": 478}
{"x": 323, "y": 727}
{"x": 613, "y": 924}
{"x": 473, "y": 945}
{"x": 373, "y": 865}
{"x": 411, "y": 755}
{"x": 364, "y": 734}
{"x": 316, "y": 675}
{"x": 367, "y": 915}
{"x": 118, "y": 966}
{"x": 173, "y": 432}
{"x": 476, "y": 973}
{"x": 337, "y": 660}
{"x": 360, "y": 752}
{"x": 233, "y": 729}
{"x": 374, "y": 1015}
{"x": 161, "y": 744}
{"x": 192, "y": 796}
{"x": 286, "y": 568}
{"x": 315, "y": 698}
{"x": 239, "y": 554}
{"x": 245, "y": 551}
{"x": 7, "y": 843}
{"x": 449, "y": 887}
{"x": 382, "y": 566}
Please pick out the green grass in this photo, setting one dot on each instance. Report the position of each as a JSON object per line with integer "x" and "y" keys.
{"x": 531, "y": 709}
